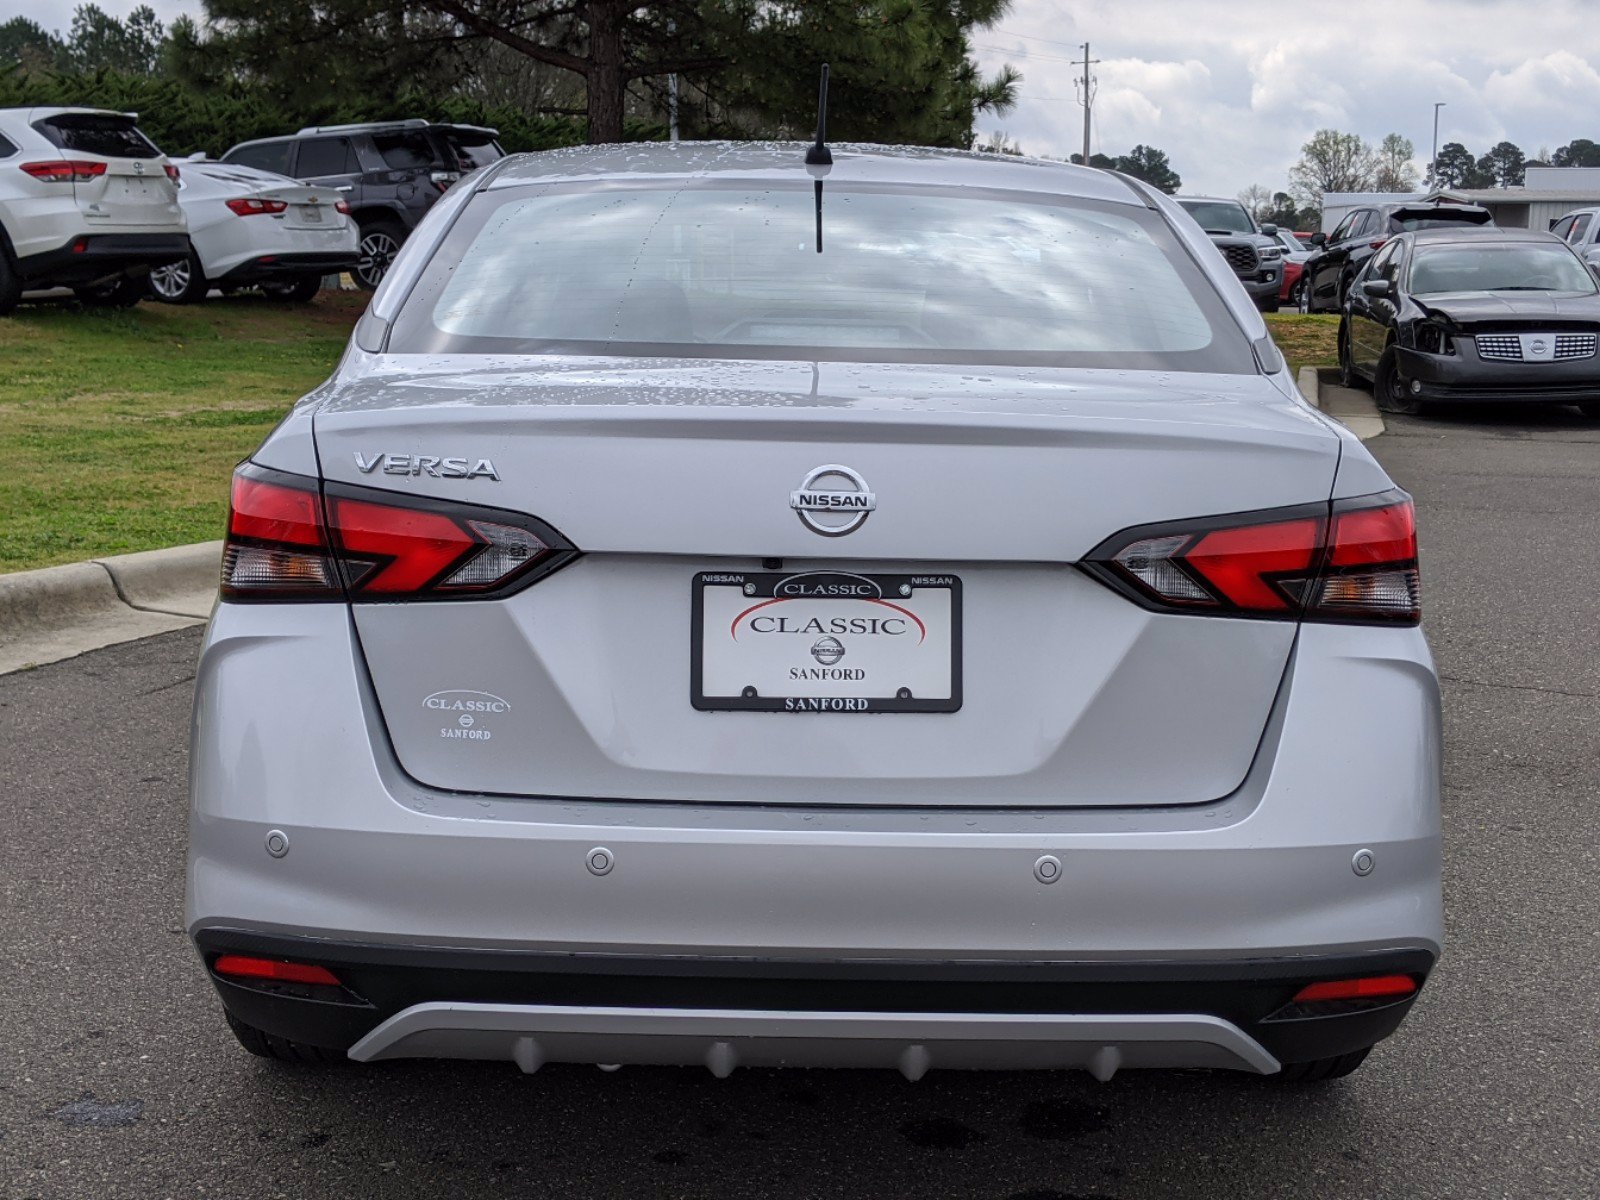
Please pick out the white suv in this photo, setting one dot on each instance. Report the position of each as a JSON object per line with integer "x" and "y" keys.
{"x": 86, "y": 202}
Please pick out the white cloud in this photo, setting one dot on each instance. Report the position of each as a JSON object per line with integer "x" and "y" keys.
{"x": 1231, "y": 89}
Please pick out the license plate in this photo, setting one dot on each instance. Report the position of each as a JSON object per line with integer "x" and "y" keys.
{"x": 311, "y": 213}
{"x": 825, "y": 641}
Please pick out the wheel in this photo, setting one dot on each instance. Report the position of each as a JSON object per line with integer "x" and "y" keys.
{"x": 296, "y": 291}
{"x": 1297, "y": 295}
{"x": 269, "y": 1045}
{"x": 1303, "y": 292}
{"x": 1323, "y": 1069}
{"x": 1268, "y": 304}
{"x": 1347, "y": 366}
{"x": 123, "y": 292}
{"x": 1345, "y": 282}
{"x": 380, "y": 242}
{"x": 10, "y": 285}
{"x": 1387, "y": 388}
{"x": 180, "y": 282}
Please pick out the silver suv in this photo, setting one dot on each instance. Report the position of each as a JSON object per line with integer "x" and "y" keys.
{"x": 86, "y": 202}
{"x": 911, "y": 621}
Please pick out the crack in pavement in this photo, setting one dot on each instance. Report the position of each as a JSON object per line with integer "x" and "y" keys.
{"x": 1520, "y": 687}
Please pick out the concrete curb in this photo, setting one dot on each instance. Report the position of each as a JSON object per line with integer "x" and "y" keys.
{"x": 59, "y": 612}
{"x": 1351, "y": 407}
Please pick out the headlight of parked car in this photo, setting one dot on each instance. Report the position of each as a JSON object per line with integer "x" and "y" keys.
{"x": 1433, "y": 339}
{"x": 1271, "y": 254}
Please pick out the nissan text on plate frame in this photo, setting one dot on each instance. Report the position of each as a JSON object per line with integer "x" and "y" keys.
{"x": 961, "y": 647}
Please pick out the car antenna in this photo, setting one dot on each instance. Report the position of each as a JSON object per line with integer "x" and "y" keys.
{"x": 819, "y": 159}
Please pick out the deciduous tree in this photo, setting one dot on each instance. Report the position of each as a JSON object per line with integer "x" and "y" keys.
{"x": 1332, "y": 162}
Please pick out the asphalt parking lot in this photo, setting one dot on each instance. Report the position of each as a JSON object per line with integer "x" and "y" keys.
{"x": 120, "y": 1079}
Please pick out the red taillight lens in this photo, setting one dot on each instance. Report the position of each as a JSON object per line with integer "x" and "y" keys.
{"x": 1348, "y": 561}
{"x": 65, "y": 170}
{"x": 289, "y": 541}
{"x": 171, "y": 170}
{"x": 342, "y": 206}
{"x": 254, "y": 206}
{"x": 1379, "y": 987}
{"x": 240, "y": 966}
{"x": 277, "y": 548}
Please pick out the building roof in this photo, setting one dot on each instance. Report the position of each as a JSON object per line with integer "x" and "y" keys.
{"x": 1517, "y": 195}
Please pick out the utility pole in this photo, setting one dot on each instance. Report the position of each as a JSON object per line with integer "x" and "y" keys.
{"x": 1086, "y": 98}
{"x": 1433, "y": 163}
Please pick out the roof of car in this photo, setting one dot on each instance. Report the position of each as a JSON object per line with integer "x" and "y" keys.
{"x": 1209, "y": 199}
{"x": 1478, "y": 233}
{"x": 852, "y": 163}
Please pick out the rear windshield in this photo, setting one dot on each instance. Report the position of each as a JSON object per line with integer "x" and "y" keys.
{"x": 93, "y": 133}
{"x": 1402, "y": 222}
{"x": 1535, "y": 267}
{"x": 1219, "y": 216}
{"x": 472, "y": 153}
{"x": 923, "y": 275}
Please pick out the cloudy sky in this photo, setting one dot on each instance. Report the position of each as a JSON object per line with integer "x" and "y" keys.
{"x": 1230, "y": 89}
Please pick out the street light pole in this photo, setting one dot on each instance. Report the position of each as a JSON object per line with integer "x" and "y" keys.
{"x": 1433, "y": 163}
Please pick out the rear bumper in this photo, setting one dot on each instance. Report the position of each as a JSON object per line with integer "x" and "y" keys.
{"x": 268, "y": 267}
{"x": 406, "y": 1002}
{"x": 1466, "y": 378}
{"x": 1349, "y": 762}
{"x": 92, "y": 258}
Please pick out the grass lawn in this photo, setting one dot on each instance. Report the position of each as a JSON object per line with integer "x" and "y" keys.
{"x": 119, "y": 430}
{"x": 1306, "y": 341}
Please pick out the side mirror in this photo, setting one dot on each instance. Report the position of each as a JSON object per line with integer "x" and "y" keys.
{"x": 1319, "y": 239}
{"x": 1377, "y": 288}
{"x": 1270, "y": 230}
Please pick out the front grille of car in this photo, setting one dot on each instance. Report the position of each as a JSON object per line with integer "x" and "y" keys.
{"x": 1242, "y": 259}
{"x": 1507, "y": 347}
{"x": 1575, "y": 345}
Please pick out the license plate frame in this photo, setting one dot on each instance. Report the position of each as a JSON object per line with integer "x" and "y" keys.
{"x": 884, "y": 591}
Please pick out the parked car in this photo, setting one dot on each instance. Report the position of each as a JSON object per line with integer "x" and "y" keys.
{"x": 250, "y": 228}
{"x": 699, "y": 624}
{"x": 1343, "y": 254}
{"x": 1295, "y": 254}
{"x": 1508, "y": 315}
{"x": 391, "y": 172}
{"x": 1252, "y": 250}
{"x": 86, "y": 202}
{"x": 1581, "y": 230}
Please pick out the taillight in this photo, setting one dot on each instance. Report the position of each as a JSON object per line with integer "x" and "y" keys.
{"x": 290, "y": 540}
{"x": 1349, "y": 561}
{"x": 252, "y": 206}
{"x": 172, "y": 171}
{"x": 62, "y": 170}
{"x": 1379, "y": 244}
{"x": 342, "y": 206}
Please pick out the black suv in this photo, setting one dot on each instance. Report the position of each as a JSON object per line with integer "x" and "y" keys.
{"x": 1252, "y": 250}
{"x": 390, "y": 171}
{"x": 1342, "y": 254}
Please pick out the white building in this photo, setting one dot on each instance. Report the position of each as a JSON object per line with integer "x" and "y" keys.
{"x": 1547, "y": 195}
{"x": 1336, "y": 204}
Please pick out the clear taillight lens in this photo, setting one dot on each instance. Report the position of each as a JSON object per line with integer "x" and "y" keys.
{"x": 291, "y": 538}
{"x": 1352, "y": 560}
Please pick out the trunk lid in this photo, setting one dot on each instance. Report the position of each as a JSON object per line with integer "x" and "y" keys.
{"x": 134, "y": 189}
{"x": 664, "y": 471}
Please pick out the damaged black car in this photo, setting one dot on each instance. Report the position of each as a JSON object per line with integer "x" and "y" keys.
{"x": 1497, "y": 315}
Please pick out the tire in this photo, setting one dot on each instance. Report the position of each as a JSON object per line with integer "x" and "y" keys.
{"x": 179, "y": 283}
{"x": 1323, "y": 1069}
{"x": 1386, "y": 388}
{"x": 1268, "y": 304}
{"x": 1297, "y": 295}
{"x": 380, "y": 242}
{"x": 1346, "y": 281}
{"x": 1347, "y": 367}
{"x": 10, "y": 285}
{"x": 296, "y": 291}
{"x": 123, "y": 292}
{"x": 269, "y": 1045}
